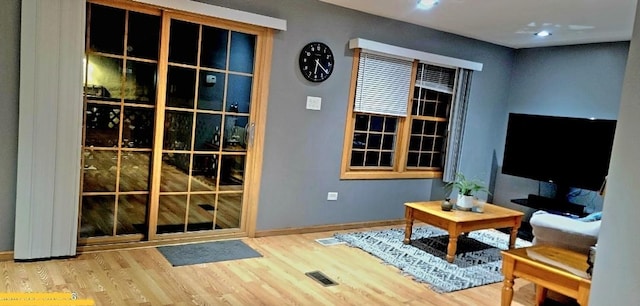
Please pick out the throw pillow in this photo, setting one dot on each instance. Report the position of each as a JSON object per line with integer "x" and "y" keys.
{"x": 592, "y": 217}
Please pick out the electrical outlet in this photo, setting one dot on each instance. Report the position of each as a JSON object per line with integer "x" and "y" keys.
{"x": 332, "y": 196}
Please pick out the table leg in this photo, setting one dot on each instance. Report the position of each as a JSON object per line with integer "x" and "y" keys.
{"x": 541, "y": 295}
{"x": 512, "y": 238}
{"x": 451, "y": 248}
{"x": 408, "y": 215}
{"x": 507, "y": 287}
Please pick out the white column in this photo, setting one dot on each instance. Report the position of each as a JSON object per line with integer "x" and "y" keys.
{"x": 50, "y": 127}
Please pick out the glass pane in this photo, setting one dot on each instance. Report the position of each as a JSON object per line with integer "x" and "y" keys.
{"x": 416, "y": 126}
{"x": 235, "y": 133}
{"x": 132, "y": 211}
{"x": 375, "y": 140}
{"x": 362, "y": 123}
{"x": 357, "y": 158}
{"x": 442, "y": 110}
{"x": 372, "y": 158}
{"x": 387, "y": 142}
{"x": 104, "y": 78}
{"x": 183, "y": 42}
{"x": 208, "y": 128}
{"x": 232, "y": 172}
{"x": 229, "y": 210}
{"x": 175, "y": 172}
{"x": 442, "y": 128}
{"x": 181, "y": 87}
{"x": 430, "y": 127}
{"x": 102, "y": 125}
{"x": 106, "y": 29}
{"x": 134, "y": 171}
{"x": 425, "y": 160}
{"x": 172, "y": 211}
{"x": 412, "y": 160}
{"x": 239, "y": 93}
{"x": 414, "y": 143}
{"x": 99, "y": 170}
{"x": 385, "y": 159}
{"x": 143, "y": 36}
{"x": 97, "y": 216}
{"x": 140, "y": 83}
{"x": 137, "y": 130}
{"x": 242, "y": 52}
{"x": 214, "y": 48}
{"x": 439, "y": 144}
{"x": 211, "y": 90}
{"x": 376, "y": 123}
{"x": 204, "y": 172}
{"x": 427, "y": 144}
{"x": 177, "y": 130}
{"x": 201, "y": 210}
{"x": 359, "y": 140}
{"x": 429, "y": 109}
{"x": 390, "y": 125}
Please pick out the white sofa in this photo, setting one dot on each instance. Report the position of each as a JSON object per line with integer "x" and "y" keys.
{"x": 565, "y": 232}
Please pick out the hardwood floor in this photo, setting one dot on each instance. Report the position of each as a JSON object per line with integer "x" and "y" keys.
{"x": 144, "y": 277}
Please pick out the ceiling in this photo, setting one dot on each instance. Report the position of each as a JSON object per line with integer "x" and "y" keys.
{"x": 512, "y": 23}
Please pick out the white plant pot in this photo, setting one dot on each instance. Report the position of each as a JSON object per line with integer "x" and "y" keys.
{"x": 464, "y": 202}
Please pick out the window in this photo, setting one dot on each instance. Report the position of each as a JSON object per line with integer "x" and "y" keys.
{"x": 400, "y": 119}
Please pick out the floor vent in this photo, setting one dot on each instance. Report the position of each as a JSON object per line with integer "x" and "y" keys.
{"x": 321, "y": 278}
{"x": 329, "y": 241}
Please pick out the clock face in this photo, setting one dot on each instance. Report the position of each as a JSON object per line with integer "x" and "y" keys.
{"x": 316, "y": 62}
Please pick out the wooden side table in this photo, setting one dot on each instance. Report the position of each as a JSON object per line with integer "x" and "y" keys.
{"x": 550, "y": 268}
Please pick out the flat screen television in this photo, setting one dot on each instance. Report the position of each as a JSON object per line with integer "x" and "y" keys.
{"x": 570, "y": 152}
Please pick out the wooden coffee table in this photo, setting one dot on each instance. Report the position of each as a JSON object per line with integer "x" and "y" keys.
{"x": 550, "y": 268}
{"x": 457, "y": 222}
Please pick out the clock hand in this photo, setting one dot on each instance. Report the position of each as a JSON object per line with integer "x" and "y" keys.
{"x": 323, "y": 69}
{"x": 315, "y": 70}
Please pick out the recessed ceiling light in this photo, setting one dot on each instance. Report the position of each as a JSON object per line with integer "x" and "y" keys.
{"x": 427, "y": 4}
{"x": 542, "y": 34}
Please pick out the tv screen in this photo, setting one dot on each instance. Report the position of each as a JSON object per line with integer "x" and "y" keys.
{"x": 570, "y": 152}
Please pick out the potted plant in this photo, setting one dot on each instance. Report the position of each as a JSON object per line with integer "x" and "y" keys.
{"x": 467, "y": 189}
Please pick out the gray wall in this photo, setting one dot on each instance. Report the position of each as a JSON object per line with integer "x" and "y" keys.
{"x": 9, "y": 84}
{"x": 616, "y": 276}
{"x": 303, "y": 148}
{"x": 574, "y": 81}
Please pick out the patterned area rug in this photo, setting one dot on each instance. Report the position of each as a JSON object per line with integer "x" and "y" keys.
{"x": 477, "y": 262}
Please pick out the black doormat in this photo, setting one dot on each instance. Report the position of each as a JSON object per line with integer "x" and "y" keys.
{"x": 197, "y": 253}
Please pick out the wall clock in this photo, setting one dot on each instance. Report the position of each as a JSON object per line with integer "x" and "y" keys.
{"x": 316, "y": 62}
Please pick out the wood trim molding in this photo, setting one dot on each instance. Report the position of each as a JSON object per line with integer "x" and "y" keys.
{"x": 327, "y": 228}
{"x": 6, "y": 255}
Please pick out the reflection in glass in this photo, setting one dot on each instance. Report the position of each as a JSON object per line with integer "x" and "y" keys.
{"x": 134, "y": 171}
{"x": 99, "y": 171}
{"x": 143, "y": 35}
{"x": 211, "y": 90}
{"x": 104, "y": 78}
{"x": 102, "y": 123}
{"x": 137, "y": 129}
{"x": 242, "y": 52}
{"x": 140, "y": 83}
{"x": 235, "y": 133}
{"x": 201, "y": 210}
{"x": 208, "y": 129}
{"x": 175, "y": 172}
{"x": 177, "y": 130}
{"x": 172, "y": 211}
{"x": 183, "y": 42}
{"x": 204, "y": 172}
{"x": 214, "y": 48}
{"x": 132, "y": 211}
{"x": 239, "y": 93}
{"x": 107, "y": 29}
{"x": 97, "y": 216}
{"x": 229, "y": 210}
{"x": 232, "y": 170}
{"x": 181, "y": 87}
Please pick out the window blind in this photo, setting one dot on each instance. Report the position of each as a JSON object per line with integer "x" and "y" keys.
{"x": 383, "y": 85}
{"x": 436, "y": 78}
